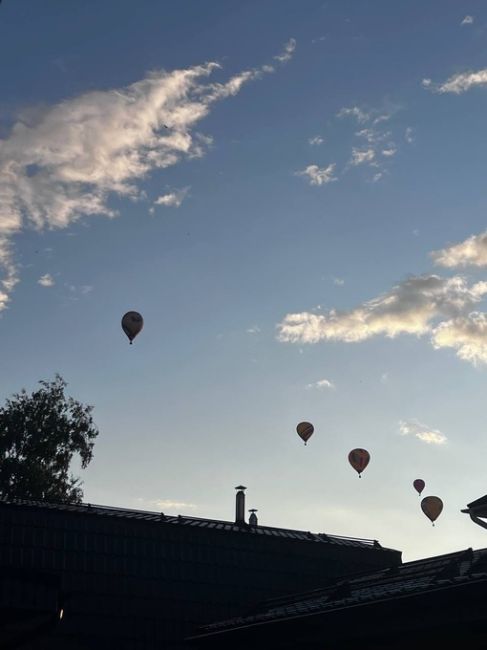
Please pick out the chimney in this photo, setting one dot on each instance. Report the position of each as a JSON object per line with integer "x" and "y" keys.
{"x": 240, "y": 505}
{"x": 253, "y": 517}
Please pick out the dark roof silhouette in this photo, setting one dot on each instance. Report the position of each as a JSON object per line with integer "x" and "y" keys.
{"x": 412, "y": 578}
{"x": 183, "y": 520}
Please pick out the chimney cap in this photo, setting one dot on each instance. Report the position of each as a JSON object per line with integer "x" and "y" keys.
{"x": 240, "y": 487}
{"x": 253, "y": 510}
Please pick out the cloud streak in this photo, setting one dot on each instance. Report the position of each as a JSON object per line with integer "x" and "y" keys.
{"x": 458, "y": 83}
{"x": 65, "y": 162}
{"x": 421, "y": 305}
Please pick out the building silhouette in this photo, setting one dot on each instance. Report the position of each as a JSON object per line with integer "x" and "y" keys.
{"x": 84, "y": 577}
{"x": 432, "y": 603}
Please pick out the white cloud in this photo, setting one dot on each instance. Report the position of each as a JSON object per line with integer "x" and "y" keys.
{"x": 409, "y": 135}
{"x": 316, "y": 140}
{"x": 320, "y": 39}
{"x": 468, "y": 20}
{"x": 287, "y": 52}
{"x": 172, "y": 199}
{"x": 46, "y": 280}
{"x": 161, "y": 504}
{"x": 376, "y": 177}
{"x": 255, "y": 329}
{"x": 321, "y": 384}
{"x": 391, "y": 151}
{"x": 318, "y": 176}
{"x": 355, "y": 112}
{"x": 339, "y": 282}
{"x": 421, "y": 431}
{"x": 471, "y": 252}
{"x": 410, "y": 307}
{"x": 384, "y": 378}
{"x": 361, "y": 156}
{"x": 66, "y": 161}
{"x": 459, "y": 83}
{"x": 465, "y": 334}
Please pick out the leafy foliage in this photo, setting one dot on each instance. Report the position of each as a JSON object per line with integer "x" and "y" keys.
{"x": 39, "y": 435}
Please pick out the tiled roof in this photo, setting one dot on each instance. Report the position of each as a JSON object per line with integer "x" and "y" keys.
{"x": 181, "y": 520}
{"x": 399, "y": 581}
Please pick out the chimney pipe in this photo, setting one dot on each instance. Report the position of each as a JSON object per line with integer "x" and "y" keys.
{"x": 253, "y": 517}
{"x": 240, "y": 505}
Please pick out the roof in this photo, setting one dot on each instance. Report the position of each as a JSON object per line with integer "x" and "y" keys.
{"x": 193, "y": 522}
{"x": 411, "y": 578}
{"x": 478, "y": 502}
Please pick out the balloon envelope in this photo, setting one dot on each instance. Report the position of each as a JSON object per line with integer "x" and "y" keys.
{"x": 359, "y": 459}
{"x": 305, "y": 431}
{"x": 132, "y": 324}
{"x": 432, "y": 507}
{"x": 419, "y": 485}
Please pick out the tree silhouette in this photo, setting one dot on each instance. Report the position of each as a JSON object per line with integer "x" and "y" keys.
{"x": 39, "y": 435}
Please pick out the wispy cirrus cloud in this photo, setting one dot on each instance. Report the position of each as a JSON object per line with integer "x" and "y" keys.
{"x": 421, "y": 431}
{"x": 354, "y": 111}
{"x": 66, "y": 161}
{"x": 316, "y": 140}
{"x": 458, "y": 83}
{"x": 161, "y": 504}
{"x": 255, "y": 329}
{"x": 287, "y": 52}
{"x": 317, "y": 175}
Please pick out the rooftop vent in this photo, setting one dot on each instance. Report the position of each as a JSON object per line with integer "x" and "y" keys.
{"x": 240, "y": 505}
{"x": 253, "y": 517}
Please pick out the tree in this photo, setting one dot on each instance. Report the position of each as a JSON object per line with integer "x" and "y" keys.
{"x": 39, "y": 435}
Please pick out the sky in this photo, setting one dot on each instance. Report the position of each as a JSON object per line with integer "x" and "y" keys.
{"x": 292, "y": 194}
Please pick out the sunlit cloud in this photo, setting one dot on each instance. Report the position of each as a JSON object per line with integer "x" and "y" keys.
{"x": 321, "y": 384}
{"x": 421, "y": 431}
{"x": 417, "y": 306}
{"x": 46, "y": 280}
{"x": 317, "y": 176}
{"x": 66, "y": 161}
{"x": 361, "y": 156}
{"x": 172, "y": 199}
{"x": 465, "y": 334}
{"x": 471, "y": 252}
{"x": 459, "y": 83}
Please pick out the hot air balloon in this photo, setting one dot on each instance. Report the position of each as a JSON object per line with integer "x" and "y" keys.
{"x": 418, "y": 485}
{"x": 132, "y": 324}
{"x": 359, "y": 459}
{"x": 432, "y": 507}
{"x": 305, "y": 431}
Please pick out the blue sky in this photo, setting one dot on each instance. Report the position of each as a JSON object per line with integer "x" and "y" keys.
{"x": 305, "y": 241}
